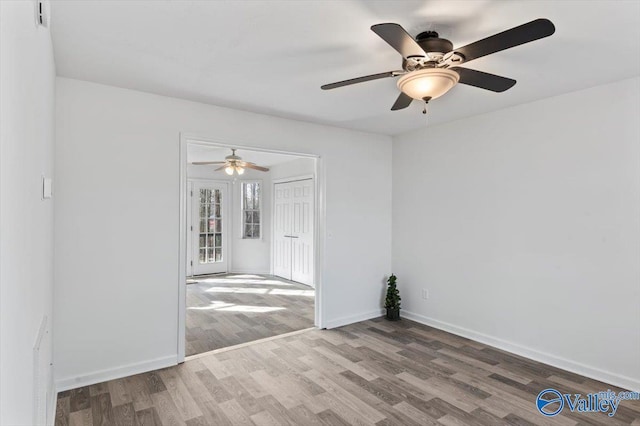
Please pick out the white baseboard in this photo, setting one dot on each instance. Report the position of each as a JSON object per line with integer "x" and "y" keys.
{"x": 115, "y": 373}
{"x": 624, "y": 382}
{"x": 339, "y": 322}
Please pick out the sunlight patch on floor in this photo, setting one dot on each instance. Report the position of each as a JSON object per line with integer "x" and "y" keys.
{"x": 237, "y": 290}
{"x": 214, "y": 305}
{"x": 232, "y": 307}
{"x": 287, "y": 292}
{"x": 243, "y": 281}
{"x": 274, "y": 291}
{"x": 248, "y": 276}
{"x": 256, "y": 309}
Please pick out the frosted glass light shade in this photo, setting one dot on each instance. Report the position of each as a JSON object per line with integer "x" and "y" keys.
{"x": 240, "y": 170}
{"x": 428, "y": 82}
{"x": 229, "y": 170}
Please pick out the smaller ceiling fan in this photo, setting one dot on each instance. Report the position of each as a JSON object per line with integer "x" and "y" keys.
{"x": 232, "y": 163}
{"x": 431, "y": 66}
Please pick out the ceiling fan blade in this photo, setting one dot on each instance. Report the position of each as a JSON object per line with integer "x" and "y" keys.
{"x": 484, "y": 80}
{"x": 256, "y": 167}
{"x": 220, "y": 168}
{"x": 534, "y": 30}
{"x": 205, "y": 163}
{"x": 402, "y": 102}
{"x": 399, "y": 39}
{"x": 361, "y": 79}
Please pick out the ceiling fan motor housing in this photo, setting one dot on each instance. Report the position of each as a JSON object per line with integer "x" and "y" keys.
{"x": 430, "y": 42}
{"x": 233, "y": 157}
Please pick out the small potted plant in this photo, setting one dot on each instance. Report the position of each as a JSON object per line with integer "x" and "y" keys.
{"x": 392, "y": 301}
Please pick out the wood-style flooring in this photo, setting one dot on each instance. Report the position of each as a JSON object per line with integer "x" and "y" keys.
{"x": 373, "y": 372}
{"x": 227, "y": 310}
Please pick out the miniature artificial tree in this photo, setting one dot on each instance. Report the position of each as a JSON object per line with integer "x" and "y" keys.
{"x": 392, "y": 301}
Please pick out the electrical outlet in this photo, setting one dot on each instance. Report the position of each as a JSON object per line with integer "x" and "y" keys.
{"x": 425, "y": 293}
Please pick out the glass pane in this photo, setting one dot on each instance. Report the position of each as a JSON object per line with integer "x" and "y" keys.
{"x": 203, "y": 225}
{"x": 247, "y": 231}
{"x": 212, "y": 225}
{"x": 256, "y": 231}
{"x": 244, "y": 196}
{"x": 217, "y": 196}
{"x": 202, "y": 241}
{"x": 218, "y": 225}
{"x": 248, "y": 195}
{"x": 256, "y": 198}
{"x": 210, "y": 240}
{"x": 248, "y": 217}
{"x": 211, "y": 254}
{"x": 218, "y": 240}
{"x": 202, "y": 196}
{"x": 203, "y": 255}
{"x": 217, "y": 211}
{"x": 256, "y": 217}
{"x": 218, "y": 255}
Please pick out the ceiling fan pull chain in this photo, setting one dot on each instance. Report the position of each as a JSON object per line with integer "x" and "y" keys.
{"x": 426, "y": 116}
{"x": 426, "y": 101}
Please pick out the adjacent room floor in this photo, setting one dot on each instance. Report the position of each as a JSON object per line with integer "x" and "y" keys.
{"x": 373, "y": 372}
{"x": 227, "y": 310}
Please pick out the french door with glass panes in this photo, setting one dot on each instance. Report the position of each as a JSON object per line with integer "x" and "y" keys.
{"x": 209, "y": 202}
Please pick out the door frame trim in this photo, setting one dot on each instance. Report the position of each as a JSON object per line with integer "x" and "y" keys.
{"x": 292, "y": 179}
{"x": 319, "y": 227}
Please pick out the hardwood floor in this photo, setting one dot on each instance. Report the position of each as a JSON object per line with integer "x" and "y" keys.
{"x": 227, "y": 310}
{"x": 373, "y": 372}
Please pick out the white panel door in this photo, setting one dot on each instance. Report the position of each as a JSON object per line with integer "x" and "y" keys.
{"x": 282, "y": 230}
{"x": 209, "y": 227}
{"x": 293, "y": 231}
{"x": 302, "y": 232}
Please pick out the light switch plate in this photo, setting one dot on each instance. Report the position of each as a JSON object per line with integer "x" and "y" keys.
{"x": 46, "y": 188}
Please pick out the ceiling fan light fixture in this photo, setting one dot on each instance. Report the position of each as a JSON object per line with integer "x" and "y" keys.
{"x": 430, "y": 83}
{"x": 239, "y": 170}
{"x": 229, "y": 170}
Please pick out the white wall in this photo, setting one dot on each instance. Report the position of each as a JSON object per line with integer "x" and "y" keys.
{"x": 247, "y": 255}
{"x": 27, "y": 89}
{"x": 524, "y": 225}
{"x": 117, "y": 207}
{"x": 295, "y": 168}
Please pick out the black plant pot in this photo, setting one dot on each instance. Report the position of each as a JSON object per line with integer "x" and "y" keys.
{"x": 393, "y": 314}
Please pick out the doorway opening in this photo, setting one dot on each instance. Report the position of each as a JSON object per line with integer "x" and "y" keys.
{"x": 249, "y": 245}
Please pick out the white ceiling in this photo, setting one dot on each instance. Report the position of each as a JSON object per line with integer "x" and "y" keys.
{"x": 215, "y": 153}
{"x": 272, "y": 56}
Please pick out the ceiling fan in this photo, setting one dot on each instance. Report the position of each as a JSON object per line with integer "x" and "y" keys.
{"x": 232, "y": 163}
{"x": 430, "y": 64}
